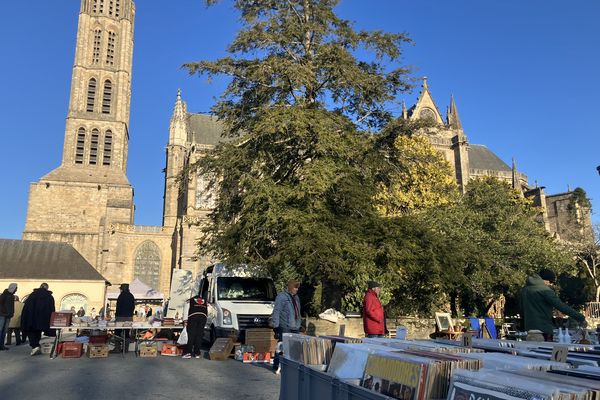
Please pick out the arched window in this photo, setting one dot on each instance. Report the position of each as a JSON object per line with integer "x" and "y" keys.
{"x": 91, "y": 95}
{"x": 97, "y": 46}
{"x": 106, "y": 97}
{"x": 94, "y": 147}
{"x": 110, "y": 49}
{"x": 75, "y": 300}
{"x": 147, "y": 264}
{"x": 80, "y": 146}
{"x": 107, "y": 148}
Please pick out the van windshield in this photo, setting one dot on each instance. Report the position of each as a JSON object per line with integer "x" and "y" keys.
{"x": 236, "y": 288}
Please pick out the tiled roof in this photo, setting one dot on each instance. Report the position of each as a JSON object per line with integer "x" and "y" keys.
{"x": 480, "y": 157}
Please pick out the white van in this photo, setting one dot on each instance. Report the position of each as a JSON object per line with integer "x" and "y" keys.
{"x": 238, "y": 298}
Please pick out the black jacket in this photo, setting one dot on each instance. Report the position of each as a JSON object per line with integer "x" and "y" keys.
{"x": 7, "y": 304}
{"x": 125, "y": 304}
{"x": 197, "y": 308}
{"x": 37, "y": 310}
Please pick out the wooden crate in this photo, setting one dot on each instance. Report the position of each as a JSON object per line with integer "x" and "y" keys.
{"x": 97, "y": 350}
{"x": 148, "y": 351}
{"x": 221, "y": 349}
{"x": 72, "y": 349}
{"x": 171, "y": 350}
{"x": 61, "y": 319}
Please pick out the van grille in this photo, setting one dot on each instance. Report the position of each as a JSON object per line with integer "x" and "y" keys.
{"x": 246, "y": 321}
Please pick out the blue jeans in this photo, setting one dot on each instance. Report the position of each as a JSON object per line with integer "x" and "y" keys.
{"x": 4, "y": 321}
{"x": 374, "y": 336}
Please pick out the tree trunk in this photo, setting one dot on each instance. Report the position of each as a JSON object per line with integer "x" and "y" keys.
{"x": 331, "y": 296}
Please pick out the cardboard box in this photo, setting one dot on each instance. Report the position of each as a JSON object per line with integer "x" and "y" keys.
{"x": 171, "y": 350}
{"x": 60, "y": 319}
{"x": 148, "y": 351}
{"x": 97, "y": 350}
{"x": 221, "y": 349}
{"x": 72, "y": 349}
{"x": 256, "y": 357}
{"x": 262, "y": 339}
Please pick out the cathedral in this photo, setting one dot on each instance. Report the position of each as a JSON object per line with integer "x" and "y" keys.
{"x": 88, "y": 203}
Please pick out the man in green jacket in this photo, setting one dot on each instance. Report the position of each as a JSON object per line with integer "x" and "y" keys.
{"x": 537, "y": 302}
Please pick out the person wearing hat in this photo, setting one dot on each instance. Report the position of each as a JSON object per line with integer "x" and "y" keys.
{"x": 7, "y": 310}
{"x": 373, "y": 317}
{"x": 538, "y": 301}
{"x": 123, "y": 312}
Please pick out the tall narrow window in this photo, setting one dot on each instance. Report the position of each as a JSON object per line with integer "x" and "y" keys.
{"x": 91, "y": 95}
{"x": 110, "y": 8}
{"x": 147, "y": 264}
{"x": 106, "y": 97}
{"x": 110, "y": 49}
{"x": 107, "y": 148}
{"x": 94, "y": 147}
{"x": 95, "y": 7}
{"x": 97, "y": 46}
{"x": 117, "y": 8}
{"x": 101, "y": 6}
{"x": 80, "y": 146}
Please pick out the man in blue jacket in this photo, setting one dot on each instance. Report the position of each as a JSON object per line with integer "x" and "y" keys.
{"x": 286, "y": 314}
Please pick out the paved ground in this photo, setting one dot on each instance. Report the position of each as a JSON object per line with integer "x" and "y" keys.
{"x": 23, "y": 377}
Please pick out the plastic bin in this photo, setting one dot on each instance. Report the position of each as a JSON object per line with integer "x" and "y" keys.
{"x": 300, "y": 382}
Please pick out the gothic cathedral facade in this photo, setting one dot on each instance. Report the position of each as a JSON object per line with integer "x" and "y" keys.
{"x": 88, "y": 201}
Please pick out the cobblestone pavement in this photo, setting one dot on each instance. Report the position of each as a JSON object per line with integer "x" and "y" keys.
{"x": 39, "y": 377}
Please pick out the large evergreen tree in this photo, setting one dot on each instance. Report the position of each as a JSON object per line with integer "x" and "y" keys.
{"x": 294, "y": 187}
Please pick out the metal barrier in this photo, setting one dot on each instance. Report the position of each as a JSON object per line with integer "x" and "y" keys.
{"x": 592, "y": 309}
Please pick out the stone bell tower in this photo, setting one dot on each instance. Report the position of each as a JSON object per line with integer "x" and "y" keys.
{"x": 77, "y": 202}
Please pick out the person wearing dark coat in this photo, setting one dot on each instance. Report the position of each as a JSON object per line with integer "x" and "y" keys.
{"x": 35, "y": 318}
{"x": 124, "y": 312}
{"x": 196, "y": 321}
{"x": 7, "y": 310}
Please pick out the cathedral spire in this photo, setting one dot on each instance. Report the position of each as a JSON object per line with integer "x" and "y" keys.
{"x": 452, "y": 117}
{"x": 515, "y": 178}
{"x": 405, "y": 112}
{"x": 178, "y": 126}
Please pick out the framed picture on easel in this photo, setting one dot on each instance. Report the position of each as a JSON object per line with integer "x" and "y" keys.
{"x": 444, "y": 322}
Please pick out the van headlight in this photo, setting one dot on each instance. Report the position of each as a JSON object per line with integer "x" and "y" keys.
{"x": 227, "y": 317}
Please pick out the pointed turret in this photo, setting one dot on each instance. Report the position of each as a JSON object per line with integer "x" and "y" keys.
{"x": 405, "y": 114}
{"x": 178, "y": 127}
{"x": 452, "y": 117}
{"x": 515, "y": 178}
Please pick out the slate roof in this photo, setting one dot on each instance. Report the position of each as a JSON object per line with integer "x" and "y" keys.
{"x": 205, "y": 129}
{"x": 29, "y": 259}
{"x": 480, "y": 157}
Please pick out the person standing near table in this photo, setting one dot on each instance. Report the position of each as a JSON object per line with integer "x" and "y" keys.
{"x": 123, "y": 312}
{"x": 196, "y": 320}
{"x": 37, "y": 310}
{"x": 7, "y": 310}
{"x": 15, "y": 324}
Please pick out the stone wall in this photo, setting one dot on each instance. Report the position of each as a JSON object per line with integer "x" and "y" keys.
{"x": 418, "y": 328}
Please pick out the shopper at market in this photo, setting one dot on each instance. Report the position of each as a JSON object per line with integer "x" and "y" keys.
{"x": 537, "y": 302}
{"x": 373, "y": 316}
{"x": 35, "y": 319}
{"x": 196, "y": 320}
{"x": 123, "y": 312}
{"x": 7, "y": 310}
{"x": 286, "y": 314}
{"x": 15, "y": 324}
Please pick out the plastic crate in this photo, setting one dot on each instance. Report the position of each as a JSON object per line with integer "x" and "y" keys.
{"x": 292, "y": 377}
{"x": 318, "y": 385}
{"x": 350, "y": 391}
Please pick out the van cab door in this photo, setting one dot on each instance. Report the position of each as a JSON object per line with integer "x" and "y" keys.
{"x": 211, "y": 317}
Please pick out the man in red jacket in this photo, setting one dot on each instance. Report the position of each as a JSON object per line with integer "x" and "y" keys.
{"x": 373, "y": 318}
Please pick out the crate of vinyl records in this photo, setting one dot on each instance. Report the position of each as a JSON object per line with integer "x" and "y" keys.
{"x": 147, "y": 350}
{"x": 72, "y": 349}
{"x": 97, "y": 350}
{"x": 60, "y": 319}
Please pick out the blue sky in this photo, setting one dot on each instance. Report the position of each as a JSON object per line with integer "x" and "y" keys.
{"x": 525, "y": 76}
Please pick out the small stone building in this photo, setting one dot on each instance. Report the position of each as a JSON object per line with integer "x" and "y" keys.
{"x": 73, "y": 281}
